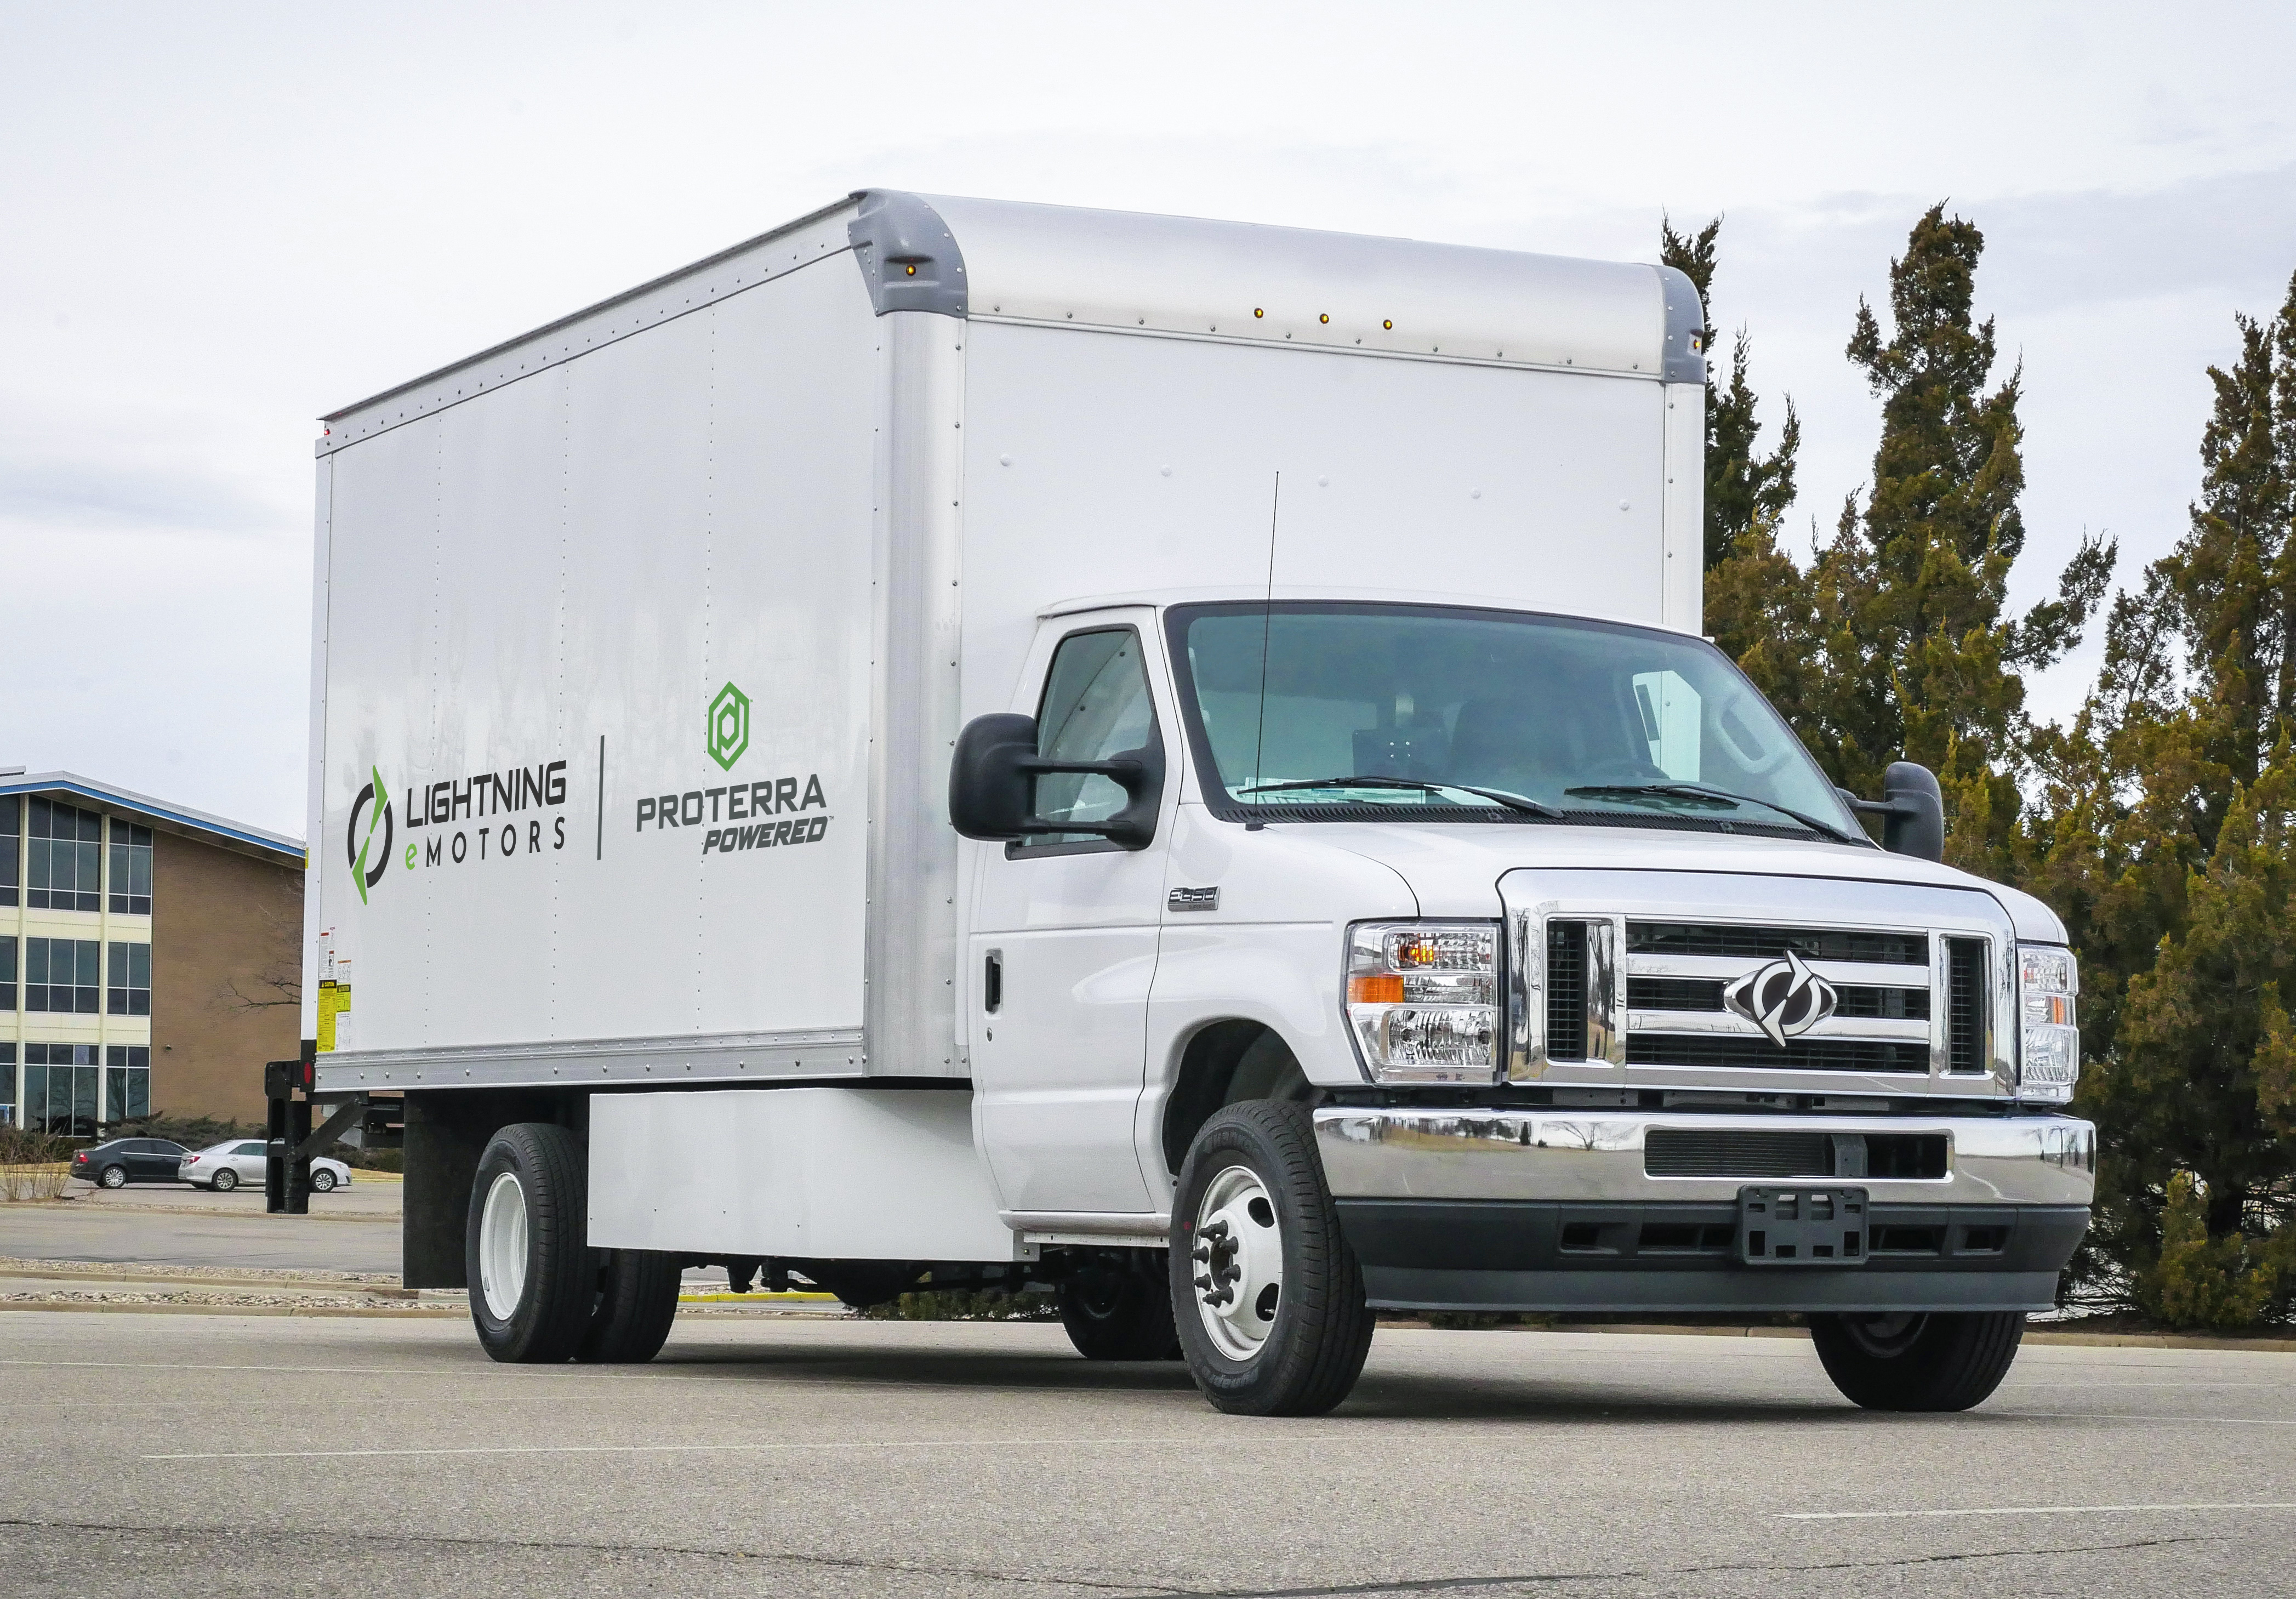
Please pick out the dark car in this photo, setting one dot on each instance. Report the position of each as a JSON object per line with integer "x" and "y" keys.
{"x": 126, "y": 1160}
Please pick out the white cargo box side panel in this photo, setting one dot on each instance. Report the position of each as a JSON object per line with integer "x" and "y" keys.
{"x": 642, "y": 577}
{"x": 822, "y": 1173}
{"x": 1108, "y": 462}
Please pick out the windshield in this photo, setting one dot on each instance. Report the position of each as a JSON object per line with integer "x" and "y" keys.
{"x": 1593, "y": 720}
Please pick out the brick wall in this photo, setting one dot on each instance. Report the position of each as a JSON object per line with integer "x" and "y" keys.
{"x": 226, "y": 929}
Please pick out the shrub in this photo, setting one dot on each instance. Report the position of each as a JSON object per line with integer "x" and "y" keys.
{"x": 2222, "y": 1284}
{"x": 33, "y": 1166}
{"x": 958, "y": 1305}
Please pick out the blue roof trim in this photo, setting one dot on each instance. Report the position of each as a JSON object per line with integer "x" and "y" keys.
{"x": 54, "y": 783}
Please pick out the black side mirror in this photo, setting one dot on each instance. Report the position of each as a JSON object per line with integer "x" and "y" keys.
{"x": 1912, "y": 810}
{"x": 992, "y": 784}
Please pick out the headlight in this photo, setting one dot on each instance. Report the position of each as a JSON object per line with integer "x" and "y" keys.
{"x": 1422, "y": 998}
{"x": 2048, "y": 1056}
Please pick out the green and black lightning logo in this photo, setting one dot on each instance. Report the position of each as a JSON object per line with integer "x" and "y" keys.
{"x": 359, "y": 846}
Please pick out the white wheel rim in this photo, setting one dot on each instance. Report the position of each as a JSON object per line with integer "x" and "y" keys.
{"x": 501, "y": 1247}
{"x": 1238, "y": 1269}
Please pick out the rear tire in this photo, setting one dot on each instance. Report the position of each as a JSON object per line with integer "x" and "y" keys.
{"x": 1937, "y": 1361}
{"x": 225, "y": 1181}
{"x": 1266, "y": 1294}
{"x": 533, "y": 1281}
{"x": 637, "y": 1300}
{"x": 1118, "y": 1313}
{"x": 113, "y": 1177}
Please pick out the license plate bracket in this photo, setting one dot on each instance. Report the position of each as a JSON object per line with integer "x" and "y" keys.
{"x": 1802, "y": 1224}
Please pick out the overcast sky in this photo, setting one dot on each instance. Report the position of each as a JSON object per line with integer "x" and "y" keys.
{"x": 218, "y": 221}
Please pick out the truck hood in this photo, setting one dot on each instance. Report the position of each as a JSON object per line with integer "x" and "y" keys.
{"x": 1455, "y": 870}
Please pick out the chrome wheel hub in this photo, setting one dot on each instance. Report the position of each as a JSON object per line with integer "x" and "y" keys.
{"x": 1238, "y": 1262}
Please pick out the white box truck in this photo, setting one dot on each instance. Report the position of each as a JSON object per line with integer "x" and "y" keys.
{"x": 969, "y": 745}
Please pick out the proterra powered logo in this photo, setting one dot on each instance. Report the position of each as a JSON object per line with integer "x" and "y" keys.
{"x": 729, "y": 726}
{"x": 359, "y": 843}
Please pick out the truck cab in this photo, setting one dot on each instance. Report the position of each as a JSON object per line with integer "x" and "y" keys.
{"x": 1372, "y": 893}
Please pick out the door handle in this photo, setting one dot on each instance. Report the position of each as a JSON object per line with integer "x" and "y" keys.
{"x": 992, "y": 981}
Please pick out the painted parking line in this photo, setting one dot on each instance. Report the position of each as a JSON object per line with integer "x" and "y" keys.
{"x": 915, "y": 1443}
{"x": 2030, "y": 1510}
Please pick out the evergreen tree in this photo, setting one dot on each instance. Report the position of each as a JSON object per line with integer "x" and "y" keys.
{"x": 1919, "y": 660}
{"x": 2170, "y": 806}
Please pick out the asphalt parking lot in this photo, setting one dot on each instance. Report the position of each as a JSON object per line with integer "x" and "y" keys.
{"x": 784, "y": 1456}
{"x": 357, "y": 1232}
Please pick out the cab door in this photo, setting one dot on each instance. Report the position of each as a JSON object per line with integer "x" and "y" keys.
{"x": 1062, "y": 949}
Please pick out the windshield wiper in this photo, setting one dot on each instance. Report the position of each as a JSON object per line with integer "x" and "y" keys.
{"x": 1699, "y": 791}
{"x": 1496, "y": 795}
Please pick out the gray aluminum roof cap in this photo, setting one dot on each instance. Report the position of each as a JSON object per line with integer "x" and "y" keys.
{"x": 1070, "y": 266}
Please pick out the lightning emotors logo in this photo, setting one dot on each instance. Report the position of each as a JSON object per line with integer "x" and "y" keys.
{"x": 359, "y": 844}
{"x": 1785, "y": 998}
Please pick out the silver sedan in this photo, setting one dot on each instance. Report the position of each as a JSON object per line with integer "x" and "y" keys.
{"x": 224, "y": 1167}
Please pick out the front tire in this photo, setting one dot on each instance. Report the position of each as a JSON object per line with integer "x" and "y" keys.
{"x": 1268, "y": 1296}
{"x": 1935, "y": 1361}
{"x": 322, "y": 1182}
{"x": 533, "y": 1281}
{"x": 1118, "y": 1313}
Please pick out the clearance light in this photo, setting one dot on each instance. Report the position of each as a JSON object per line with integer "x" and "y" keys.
{"x": 1326, "y": 316}
{"x": 1422, "y": 999}
{"x": 1389, "y": 325}
{"x": 912, "y": 271}
{"x": 1258, "y": 311}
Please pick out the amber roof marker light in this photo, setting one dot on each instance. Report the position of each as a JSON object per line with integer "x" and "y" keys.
{"x": 1388, "y": 324}
{"x": 1259, "y": 311}
{"x": 1326, "y": 316}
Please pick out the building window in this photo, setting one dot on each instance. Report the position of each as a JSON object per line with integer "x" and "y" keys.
{"x": 131, "y": 870}
{"x": 61, "y": 974}
{"x": 8, "y": 978}
{"x": 59, "y": 1087}
{"x": 12, "y": 838}
{"x": 7, "y": 1085}
{"x": 128, "y": 1082}
{"x": 65, "y": 860}
{"x": 128, "y": 985}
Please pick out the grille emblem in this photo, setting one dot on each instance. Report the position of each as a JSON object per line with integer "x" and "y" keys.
{"x": 1785, "y": 998}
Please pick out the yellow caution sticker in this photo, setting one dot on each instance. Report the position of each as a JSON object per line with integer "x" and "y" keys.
{"x": 335, "y": 1000}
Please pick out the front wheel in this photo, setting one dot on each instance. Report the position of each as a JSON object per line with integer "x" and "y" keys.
{"x": 1921, "y": 1361}
{"x": 1268, "y": 1296}
{"x": 322, "y": 1181}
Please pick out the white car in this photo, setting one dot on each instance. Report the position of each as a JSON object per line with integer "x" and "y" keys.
{"x": 224, "y": 1167}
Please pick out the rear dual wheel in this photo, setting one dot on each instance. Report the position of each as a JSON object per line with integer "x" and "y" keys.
{"x": 538, "y": 1293}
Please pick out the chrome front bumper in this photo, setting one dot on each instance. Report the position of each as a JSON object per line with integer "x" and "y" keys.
{"x": 1545, "y": 1210}
{"x": 1596, "y": 1157}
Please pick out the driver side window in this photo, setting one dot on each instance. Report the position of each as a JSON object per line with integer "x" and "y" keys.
{"x": 1096, "y": 707}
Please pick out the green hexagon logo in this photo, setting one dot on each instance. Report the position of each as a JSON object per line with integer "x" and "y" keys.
{"x": 729, "y": 726}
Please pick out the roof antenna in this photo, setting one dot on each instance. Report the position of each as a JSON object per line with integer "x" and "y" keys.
{"x": 1266, "y": 618}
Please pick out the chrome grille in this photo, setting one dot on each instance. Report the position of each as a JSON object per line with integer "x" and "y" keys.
{"x": 1679, "y": 974}
{"x": 1616, "y": 983}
